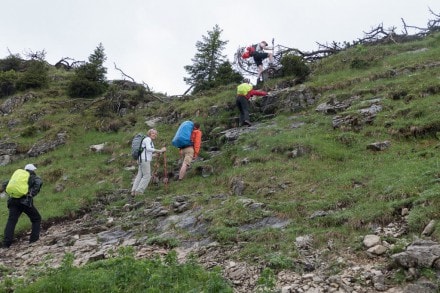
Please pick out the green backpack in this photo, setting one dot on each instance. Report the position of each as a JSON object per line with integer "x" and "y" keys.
{"x": 18, "y": 184}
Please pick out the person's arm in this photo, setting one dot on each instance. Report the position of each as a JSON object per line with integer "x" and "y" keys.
{"x": 150, "y": 148}
{"x": 35, "y": 184}
{"x": 255, "y": 93}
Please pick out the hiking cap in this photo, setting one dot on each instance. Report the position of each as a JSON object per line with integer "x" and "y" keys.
{"x": 30, "y": 167}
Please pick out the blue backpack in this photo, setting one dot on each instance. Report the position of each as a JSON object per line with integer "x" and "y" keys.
{"x": 182, "y": 138}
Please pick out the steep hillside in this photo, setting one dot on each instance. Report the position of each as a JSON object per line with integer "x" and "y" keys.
{"x": 329, "y": 191}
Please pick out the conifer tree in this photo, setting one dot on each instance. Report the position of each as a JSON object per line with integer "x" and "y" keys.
{"x": 89, "y": 79}
{"x": 207, "y": 62}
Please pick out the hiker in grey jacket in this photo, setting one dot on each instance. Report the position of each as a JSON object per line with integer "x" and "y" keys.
{"x": 144, "y": 164}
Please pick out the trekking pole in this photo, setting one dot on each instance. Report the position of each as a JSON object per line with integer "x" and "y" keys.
{"x": 273, "y": 49}
{"x": 155, "y": 170}
{"x": 165, "y": 172}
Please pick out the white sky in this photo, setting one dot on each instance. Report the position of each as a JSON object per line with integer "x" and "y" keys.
{"x": 152, "y": 40}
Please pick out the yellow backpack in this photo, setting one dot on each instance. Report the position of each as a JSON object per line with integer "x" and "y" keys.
{"x": 18, "y": 184}
{"x": 243, "y": 89}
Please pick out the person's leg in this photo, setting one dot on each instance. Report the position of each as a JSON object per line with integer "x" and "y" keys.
{"x": 245, "y": 107}
{"x": 270, "y": 58}
{"x": 260, "y": 71}
{"x": 238, "y": 102}
{"x": 137, "y": 180}
{"x": 258, "y": 58}
{"x": 35, "y": 218}
{"x": 15, "y": 211}
{"x": 146, "y": 176}
{"x": 188, "y": 156}
{"x": 182, "y": 171}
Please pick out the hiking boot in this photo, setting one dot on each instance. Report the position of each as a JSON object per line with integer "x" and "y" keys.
{"x": 247, "y": 123}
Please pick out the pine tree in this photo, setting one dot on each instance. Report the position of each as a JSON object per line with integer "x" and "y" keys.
{"x": 89, "y": 79}
{"x": 207, "y": 61}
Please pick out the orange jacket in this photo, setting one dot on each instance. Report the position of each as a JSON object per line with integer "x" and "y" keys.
{"x": 196, "y": 138}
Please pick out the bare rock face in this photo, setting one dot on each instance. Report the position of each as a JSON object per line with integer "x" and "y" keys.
{"x": 42, "y": 147}
{"x": 14, "y": 102}
{"x": 237, "y": 186}
{"x": 292, "y": 100}
{"x": 420, "y": 254}
{"x": 7, "y": 151}
{"x": 371, "y": 240}
{"x": 8, "y": 148}
{"x": 379, "y": 146}
{"x": 429, "y": 229}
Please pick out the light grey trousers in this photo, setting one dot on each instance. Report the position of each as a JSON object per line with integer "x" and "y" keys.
{"x": 142, "y": 178}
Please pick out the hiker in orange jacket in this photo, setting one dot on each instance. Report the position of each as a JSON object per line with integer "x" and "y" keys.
{"x": 244, "y": 92}
{"x": 191, "y": 153}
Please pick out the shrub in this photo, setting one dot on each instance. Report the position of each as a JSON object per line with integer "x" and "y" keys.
{"x": 7, "y": 83}
{"x": 35, "y": 76}
{"x": 359, "y": 63}
{"x": 295, "y": 65}
{"x": 12, "y": 62}
{"x": 81, "y": 87}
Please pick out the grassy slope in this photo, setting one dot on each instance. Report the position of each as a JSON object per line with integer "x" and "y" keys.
{"x": 405, "y": 77}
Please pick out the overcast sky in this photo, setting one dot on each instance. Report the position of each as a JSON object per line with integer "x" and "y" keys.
{"x": 152, "y": 40}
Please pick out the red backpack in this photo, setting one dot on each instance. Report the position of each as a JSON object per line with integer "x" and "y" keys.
{"x": 249, "y": 52}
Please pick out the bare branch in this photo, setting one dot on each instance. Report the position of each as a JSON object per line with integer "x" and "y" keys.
{"x": 123, "y": 73}
{"x": 404, "y": 26}
{"x": 146, "y": 86}
{"x": 187, "y": 91}
{"x": 37, "y": 55}
{"x": 64, "y": 63}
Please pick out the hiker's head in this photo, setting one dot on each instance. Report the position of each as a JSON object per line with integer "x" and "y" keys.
{"x": 196, "y": 125}
{"x": 246, "y": 80}
{"x": 152, "y": 133}
{"x": 264, "y": 43}
{"x": 30, "y": 167}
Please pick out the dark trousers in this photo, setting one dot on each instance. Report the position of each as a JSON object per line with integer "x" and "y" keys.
{"x": 243, "y": 105}
{"x": 15, "y": 211}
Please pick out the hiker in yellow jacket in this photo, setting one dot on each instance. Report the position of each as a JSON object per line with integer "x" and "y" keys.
{"x": 244, "y": 92}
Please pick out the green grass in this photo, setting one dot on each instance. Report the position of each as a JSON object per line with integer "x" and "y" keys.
{"x": 125, "y": 274}
{"x": 356, "y": 187}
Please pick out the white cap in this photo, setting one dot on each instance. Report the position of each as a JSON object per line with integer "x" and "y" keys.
{"x": 30, "y": 167}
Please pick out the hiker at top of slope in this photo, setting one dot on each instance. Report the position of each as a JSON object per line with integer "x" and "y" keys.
{"x": 260, "y": 54}
{"x": 244, "y": 92}
{"x": 143, "y": 176}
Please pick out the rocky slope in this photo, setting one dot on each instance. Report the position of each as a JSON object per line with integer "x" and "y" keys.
{"x": 93, "y": 237}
